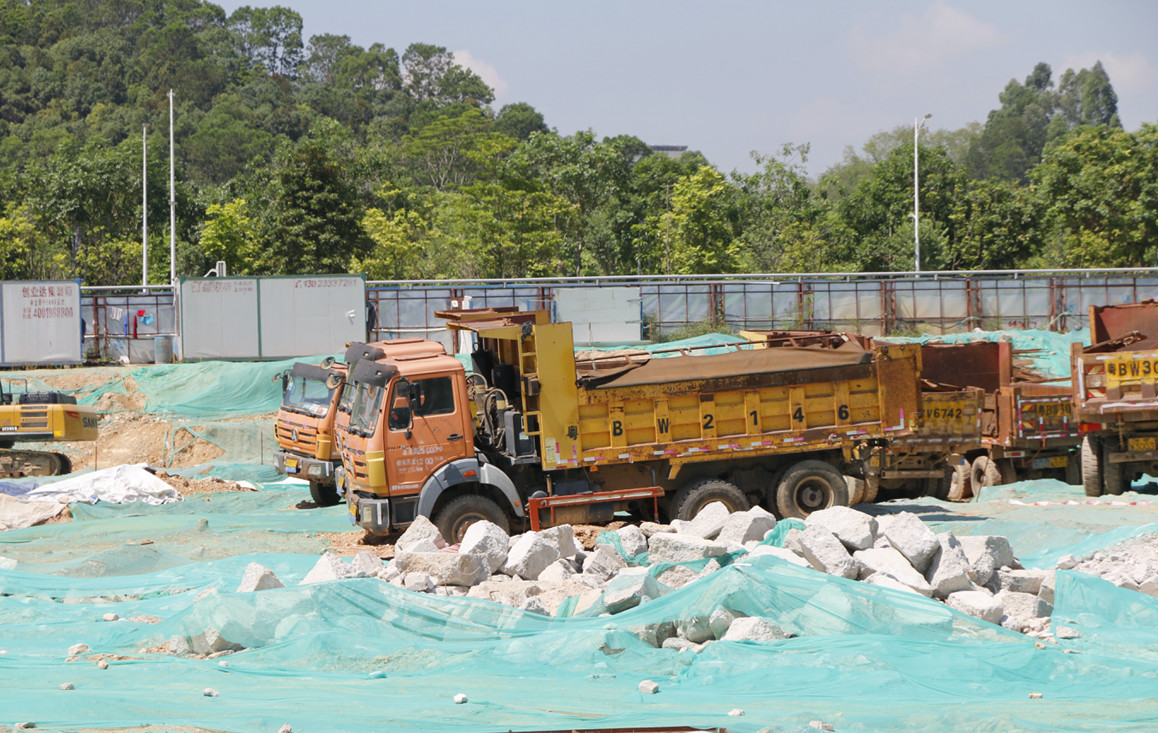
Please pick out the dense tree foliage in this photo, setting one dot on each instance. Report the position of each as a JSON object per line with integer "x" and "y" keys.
{"x": 299, "y": 156}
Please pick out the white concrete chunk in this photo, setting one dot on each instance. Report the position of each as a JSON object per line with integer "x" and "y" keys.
{"x": 557, "y": 572}
{"x": 648, "y": 687}
{"x": 1020, "y": 581}
{"x": 563, "y": 538}
{"x": 890, "y": 561}
{"x": 328, "y": 567}
{"x": 856, "y": 530}
{"x": 754, "y": 628}
{"x": 720, "y": 620}
{"x": 420, "y": 529}
{"x": 749, "y": 526}
{"x": 986, "y": 553}
{"x": 366, "y": 565}
{"x": 530, "y": 556}
{"x": 628, "y": 591}
{"x": 888, "y": 581}
{"x": 911, "y": 537}
{"x": 696, "y": 629}
{"x": 708, "y": 522}
{"x": 1047, "y": 586}
{"x": 418, "y": 582}
{"x": 487, "y": 539}
{"x": 258, "y": 577}
{"x": 603, "y": 562}
{"x": 446, "y": 568}
{"x": 710, "y": 567}
{"x": 792, "y": 540}
{"x": 976, "y": 603}
{"x": 1023, "y": 611}
{"x": 781, "y": 553}
{"x": 948, "y": 571}
{"x": 632, "y": 540}
{"x": 678, "y": 576}
{"x": 826, "y": 553}
{"x": 681, "y": 548}
{"x": 650, "y": 528}
{"x": 654, "y": 634}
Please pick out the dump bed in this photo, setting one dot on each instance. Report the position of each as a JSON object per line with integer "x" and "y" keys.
{"x": 689, "y": 409}
{"x": 1116, "y": 378}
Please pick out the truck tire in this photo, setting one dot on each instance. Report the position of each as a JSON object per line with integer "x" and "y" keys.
{"x": 689, "y": 500}
{"x": 872, "y": 487}
{"x": 808, "y": 487}
{"x": 324, "y": 494}
{"x": 988, "y": 472}
{"x": 941, "y": 487}
{"x": 1091, "y": 457}
{"x": 1113, "y": 480}
{"x": 459, "y": 513}
{"x": 961, "y": 485}
{"x": 855, "y": 488}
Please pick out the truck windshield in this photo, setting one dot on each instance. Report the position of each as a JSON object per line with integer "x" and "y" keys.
{"x": 365, "y": 409}
{"x": 310, "y": 396}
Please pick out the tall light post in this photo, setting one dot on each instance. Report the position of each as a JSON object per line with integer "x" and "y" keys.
{"x": 918, "y": 123}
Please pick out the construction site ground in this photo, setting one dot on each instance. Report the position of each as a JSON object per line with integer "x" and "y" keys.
{"x": 92, "y": 606}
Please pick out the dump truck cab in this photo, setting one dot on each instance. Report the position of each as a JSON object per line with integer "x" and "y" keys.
{"x": 409, "y": 447}
{"x": 304, "y": 427}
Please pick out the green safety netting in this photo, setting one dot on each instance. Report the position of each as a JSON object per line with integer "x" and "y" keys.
{"x": 359, "y": 654}
{"x": 1050, "y": 351}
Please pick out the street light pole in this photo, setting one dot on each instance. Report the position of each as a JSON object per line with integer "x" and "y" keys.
{"x": 918, "y": 123}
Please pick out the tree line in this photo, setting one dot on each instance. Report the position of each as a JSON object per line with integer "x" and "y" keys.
{"x": 320, "y": 156}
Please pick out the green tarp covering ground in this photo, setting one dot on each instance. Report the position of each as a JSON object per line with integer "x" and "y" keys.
{"x": 362, "y": 655}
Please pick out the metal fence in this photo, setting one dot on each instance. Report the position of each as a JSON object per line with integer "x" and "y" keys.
{"x": 870, "y": 303}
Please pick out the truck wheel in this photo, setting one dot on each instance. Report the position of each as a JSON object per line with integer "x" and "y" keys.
{"x": 942, "y": 486}
{"x": 689, "y": 500}
{"x": 988, "y": 472}
{"x": 961, "y": 485}
{"x": 855, "y": 488}
{"x": 464, "y": 511}
{"x": 1112, "y": 475}
{"x": 1091, "y": 458}
{"x": 872, "y": 487}
{"x": 808, "y": 487}
{"x": 324, "y": 494}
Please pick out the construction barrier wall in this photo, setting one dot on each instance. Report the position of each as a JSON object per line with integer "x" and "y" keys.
{"x": 263, "y": 318}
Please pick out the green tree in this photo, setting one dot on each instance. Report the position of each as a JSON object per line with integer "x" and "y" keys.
{"x": 453, "y": 151}
{"x": 313, "y": 223}
{"x": 1099, "y": 189}
{"x": 699, "y": 231}
{"x": 230, "y": 235}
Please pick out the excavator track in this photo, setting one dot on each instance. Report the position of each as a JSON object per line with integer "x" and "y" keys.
{"x": 20, "y": 463}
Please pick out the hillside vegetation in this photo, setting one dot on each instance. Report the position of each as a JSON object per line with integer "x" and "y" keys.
{"x": 299, "y": 156}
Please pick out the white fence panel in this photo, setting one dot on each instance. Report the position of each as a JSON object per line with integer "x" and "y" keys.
{"x": 41, "y": 323}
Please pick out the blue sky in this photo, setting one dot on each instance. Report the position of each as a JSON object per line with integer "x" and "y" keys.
{"x": 730, "y": 77}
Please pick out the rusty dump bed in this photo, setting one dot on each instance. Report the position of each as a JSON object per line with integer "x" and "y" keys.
{"x": 789, "y": 360}
{"x": 1116, "y": 378}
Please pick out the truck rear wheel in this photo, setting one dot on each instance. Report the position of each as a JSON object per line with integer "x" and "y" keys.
{"x": 689, "y": 500}
{"x": 872, "y": 487}
{"x": 1113, "y": 480}
{"x": 808, "y": 487}
{"x": 988, "y": 472}
{"x": 324, "y": 494}
{"x": 1091, "y": 458}
{"x": 855, "y": 488}
{"x": 454, "y": 518}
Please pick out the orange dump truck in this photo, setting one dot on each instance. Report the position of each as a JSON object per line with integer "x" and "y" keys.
{"x": 530, "y": 434}
{"x": 1115, "y": 396}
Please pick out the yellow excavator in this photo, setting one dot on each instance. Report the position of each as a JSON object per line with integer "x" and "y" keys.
{"x": 27, "y": 416}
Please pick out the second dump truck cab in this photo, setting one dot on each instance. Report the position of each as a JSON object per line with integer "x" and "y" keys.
{"x": 529, "y": 434}
{"x": 314, "y": 405}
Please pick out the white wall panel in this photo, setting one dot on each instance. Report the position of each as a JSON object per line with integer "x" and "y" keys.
{"x": 40, "y": 323}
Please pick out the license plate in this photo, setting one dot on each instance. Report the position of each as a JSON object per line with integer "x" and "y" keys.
{"x": 291, "y": 465}
{"x": 1131, "y": 368}
{"x": 1142, "y": 444}
{"x": 1059, "y": 462}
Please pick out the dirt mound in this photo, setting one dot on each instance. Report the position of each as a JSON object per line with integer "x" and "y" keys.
{"x": 211, "y": 485}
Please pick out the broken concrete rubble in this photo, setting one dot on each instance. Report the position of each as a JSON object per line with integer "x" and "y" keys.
{"x": 908, "y": 535}
{"x": 889, "y": 561}
{"x": 826, "y": 553}
{"x": 486, "y": 539}
{"x": 681, "y": 548}
{"x": 257, "y": 577}
{"x": 856, "y": 530}
{"x": 530, "y": 555}
{"x": 420, "y": 529}
{"x": 750, "y": 526}
{"x": 948, "y": 571}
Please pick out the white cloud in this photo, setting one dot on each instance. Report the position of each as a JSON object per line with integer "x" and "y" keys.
{"x": 485, "y": 71}
{"x": 939, "y": 35}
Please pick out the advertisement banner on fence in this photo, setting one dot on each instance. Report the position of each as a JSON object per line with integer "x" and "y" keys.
{"x": 40, "y": 323}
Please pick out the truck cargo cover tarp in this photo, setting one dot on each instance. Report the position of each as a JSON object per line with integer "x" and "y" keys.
{"x": 736, "y": 364}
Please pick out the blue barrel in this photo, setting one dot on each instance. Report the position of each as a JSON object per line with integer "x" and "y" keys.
{"x": 163, "y": 350}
